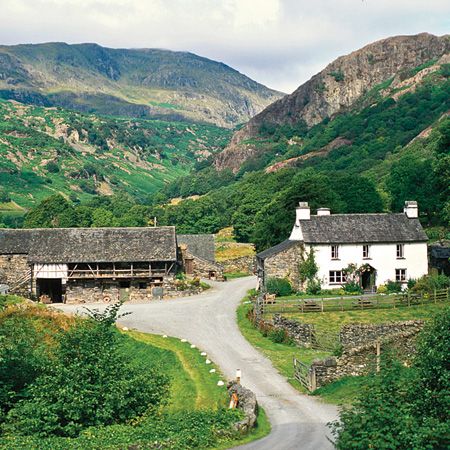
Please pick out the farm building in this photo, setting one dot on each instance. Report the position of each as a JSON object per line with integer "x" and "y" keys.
{"x": 88, "y": 264}
{"x": 381, "y": 247}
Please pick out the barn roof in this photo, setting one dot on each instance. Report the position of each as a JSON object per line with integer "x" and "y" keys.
{"x": 201, "y": 245}
{"x": 361, "y": 228}
{"x": 79, "y": 245}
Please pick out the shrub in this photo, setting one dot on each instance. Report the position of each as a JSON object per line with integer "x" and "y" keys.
{"x": 279, "y": 286}
{"x": 279, "y": 336}
{"x": 393, "y": 287}
{"x": 89, "y": 383}
{"x": 352, "y": 287}
{"x": 430, "y": 283}
{"x": 313, "y": 287}
{"x": 52, "y": 167}
{"x": 382, "y": 289}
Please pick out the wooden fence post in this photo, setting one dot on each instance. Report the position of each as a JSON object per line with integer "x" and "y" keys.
{"x": 322, "y": 304}
{"x": 434, "y": 295}
{"x": 378, "y": 352}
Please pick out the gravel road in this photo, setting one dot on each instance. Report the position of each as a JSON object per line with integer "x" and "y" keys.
{"x": 209, "y": 321}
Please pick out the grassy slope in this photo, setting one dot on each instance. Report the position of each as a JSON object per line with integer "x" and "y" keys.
{"x": 137, "y": 156}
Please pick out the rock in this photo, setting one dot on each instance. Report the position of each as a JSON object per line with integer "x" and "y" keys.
{"x": 203, "y": 353}
{"x": 212, "y": 371}
{"x": 193, "y": 346}
{"x": 220, "y": 383}
{"x": 183, "y": 340}
{"x": 165, "y": 336}
{"x": 208, "y": 361}
{"x": 125, "y": 329}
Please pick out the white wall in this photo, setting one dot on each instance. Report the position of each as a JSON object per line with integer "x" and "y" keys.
{"x": 50, "y": 271}
{"x": 383, "y": 258}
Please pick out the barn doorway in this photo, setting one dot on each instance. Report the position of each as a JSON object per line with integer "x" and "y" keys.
{"x": 50, "y": 288}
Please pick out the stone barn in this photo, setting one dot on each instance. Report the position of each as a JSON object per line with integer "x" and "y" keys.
{"x": 197, "y": 252}
{"x": 88, "y": 264}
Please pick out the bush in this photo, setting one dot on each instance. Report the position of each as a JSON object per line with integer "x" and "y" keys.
{"x": 89, "y": 383}
{"x": 279, "y": 286}
{"x": 279, "y": 336}
{"x": 430, "y": 283}
{"x": 352, "y": 287}
{"x": 382, "y": 289}
{"x": 314, "y": 287}
{"x": 393, "y": 287}
{"x": 52, "y": 167}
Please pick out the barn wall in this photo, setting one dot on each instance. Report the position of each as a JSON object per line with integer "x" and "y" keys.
{"x": 14, "y": 268}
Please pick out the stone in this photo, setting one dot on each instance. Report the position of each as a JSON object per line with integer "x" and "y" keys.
{"x": 125, "y": 329}
{"x": 220, "y": 383}
{"x": 193, "y": 346}
{"x": 183, "y": 340}
{"x": 247, "y": 403}
{"x": 212, "y": 371}
{"x": 208, "y": 361}
{"x": 203, "y": 353}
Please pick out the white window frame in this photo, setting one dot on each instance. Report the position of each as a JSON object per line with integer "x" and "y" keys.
{"x": 335, "y": 252}
{"x": 401, "y": 276}
{"x": 366, "y": 251}
{"x": 400, "y": 249}
{"x": 336, "y": 277}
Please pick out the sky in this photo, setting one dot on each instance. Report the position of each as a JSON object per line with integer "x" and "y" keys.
{"x": 280, "y": 43}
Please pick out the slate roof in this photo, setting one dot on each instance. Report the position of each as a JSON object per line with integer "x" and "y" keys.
{"x": 201, "y": 245}
{"x": 83, "y": 245}
{"x": 362, "y": 228}
{"x": 276, "y": 249}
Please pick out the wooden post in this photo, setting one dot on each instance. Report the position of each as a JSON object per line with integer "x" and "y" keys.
{"x": 434, "y": 295}
{"x": 378, "y": 352}
{"x": 408, "y": 296}
{"x": 238, "y": 376}
{"x": 322, "y": 304}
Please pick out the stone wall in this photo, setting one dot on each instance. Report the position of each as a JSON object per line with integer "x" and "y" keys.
{"x": 15, "y": 268}
{"x": 362, "y": 360}
{"x": 244, "y": 264}
{"x": 285, "y": 264}
{"x": 202, "y": 267}
{"x": 302, "y": 333}
{"x": 98, "y": 291}
{"x": 247, "y": 402}
{"x": 354, "y": 335}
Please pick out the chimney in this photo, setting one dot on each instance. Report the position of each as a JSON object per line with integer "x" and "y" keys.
{"x": 411, "y": 209}
{"x": 323, "y": 211}
{"x": 302, "y": 212}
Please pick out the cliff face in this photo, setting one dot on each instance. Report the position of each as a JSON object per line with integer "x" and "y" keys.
{"x": 337, "y": 87}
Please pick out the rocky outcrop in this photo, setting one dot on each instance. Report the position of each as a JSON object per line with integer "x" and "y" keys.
{"x": 337, "y": 88}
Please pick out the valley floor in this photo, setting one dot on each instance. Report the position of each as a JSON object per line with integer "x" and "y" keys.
{"x": 209, "y": 322}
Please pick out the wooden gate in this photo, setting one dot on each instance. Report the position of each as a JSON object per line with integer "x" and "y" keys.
{"x": 305, "y": 375}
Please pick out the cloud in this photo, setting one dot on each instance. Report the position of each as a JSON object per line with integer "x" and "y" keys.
{"x": 280, "y": 43}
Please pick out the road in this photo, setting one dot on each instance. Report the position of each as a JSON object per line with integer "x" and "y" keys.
{"x": 209, "y": 321}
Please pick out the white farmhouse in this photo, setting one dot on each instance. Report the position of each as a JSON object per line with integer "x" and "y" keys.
{"x": 382, "y": 246}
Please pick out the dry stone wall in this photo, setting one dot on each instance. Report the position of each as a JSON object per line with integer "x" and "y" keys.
{"x": 302, "y": 333}
{"x": 247, "y": 402}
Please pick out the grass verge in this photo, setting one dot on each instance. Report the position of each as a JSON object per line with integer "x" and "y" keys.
{"x": 281, "y": 355}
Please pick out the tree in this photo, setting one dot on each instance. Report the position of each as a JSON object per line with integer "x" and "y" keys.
{"x": 46, "y": 213}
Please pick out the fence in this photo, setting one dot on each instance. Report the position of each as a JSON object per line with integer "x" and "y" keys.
{"x": 305, "y": 375}
{"x": 349, "y": 303}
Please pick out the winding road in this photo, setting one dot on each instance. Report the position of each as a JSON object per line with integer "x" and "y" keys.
{"x": 209, "y": 321}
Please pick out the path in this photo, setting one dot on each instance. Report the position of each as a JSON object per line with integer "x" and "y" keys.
{"x": 209, "y": 322}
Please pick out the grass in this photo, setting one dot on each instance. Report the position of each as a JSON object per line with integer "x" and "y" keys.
{"x": 193, "y": 385}
{"x": 281, "y": 355}
{"x": 233, "y": 250}
{"x": 342, "y": 392}
{"x": 333, "y": 321}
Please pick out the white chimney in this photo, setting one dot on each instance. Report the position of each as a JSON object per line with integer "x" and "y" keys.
{"x": 323, "y": 211}
{"x": 302, "y": 212}
{"x": 411, "y": 210}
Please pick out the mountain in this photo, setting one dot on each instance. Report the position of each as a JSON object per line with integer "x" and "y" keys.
{"x": 44, "y": 151}
{"x": 150, "y": 83}
{"x": 337, "y": 89}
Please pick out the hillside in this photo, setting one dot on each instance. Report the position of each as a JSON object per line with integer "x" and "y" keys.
{"x": 130, "y": 82}
{"x": 338, "y": 88}
{"x": 392, "y": 146}
{"x": 44, "y": 151}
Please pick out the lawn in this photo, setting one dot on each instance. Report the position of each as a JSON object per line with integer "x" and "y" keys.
{"x": 332, "y": 321}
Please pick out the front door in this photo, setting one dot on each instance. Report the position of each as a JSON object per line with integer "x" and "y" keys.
{"x": 368, "y": 279}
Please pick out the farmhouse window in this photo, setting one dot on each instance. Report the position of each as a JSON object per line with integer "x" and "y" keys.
{"x": 400, "y": 275}
{"x": 400, "y": 251}
{"x": 335, "y": 252}
{"x": 337, "y": 277}
{"x": 366, "y": 254}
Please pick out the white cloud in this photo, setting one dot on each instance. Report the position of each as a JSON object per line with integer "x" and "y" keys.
{"x": 280, "y": 43}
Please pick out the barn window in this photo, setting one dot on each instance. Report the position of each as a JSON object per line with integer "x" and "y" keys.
{"x": 335, "y": 252}
{"x": 337, "y": 277}
{"x": 400, "y": 275}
